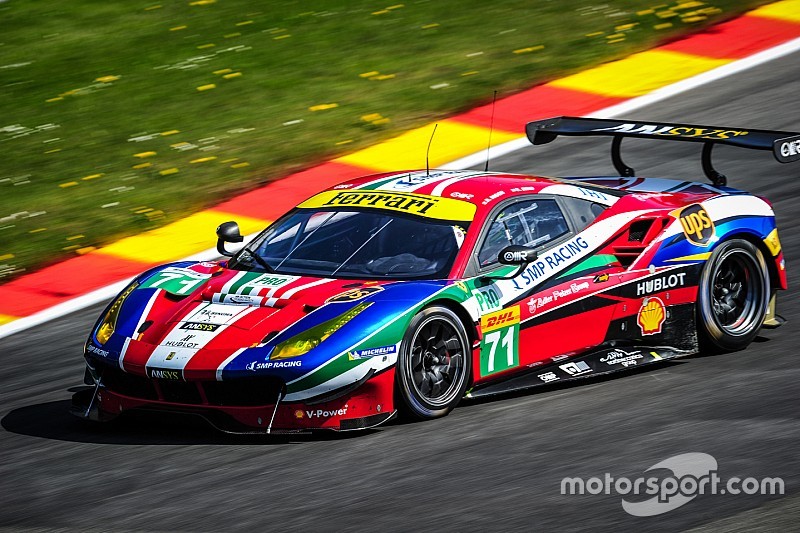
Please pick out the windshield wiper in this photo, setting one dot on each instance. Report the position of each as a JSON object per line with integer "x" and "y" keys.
{"x": 258, "y": 259}
{"x": 360, "y": 247}
{"x": 299, "y": 244}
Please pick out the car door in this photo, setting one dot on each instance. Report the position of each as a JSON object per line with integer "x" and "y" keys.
{"x": 526, "y": 321}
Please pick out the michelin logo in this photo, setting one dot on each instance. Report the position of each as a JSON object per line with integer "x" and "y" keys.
{"x": 368, "y": 353}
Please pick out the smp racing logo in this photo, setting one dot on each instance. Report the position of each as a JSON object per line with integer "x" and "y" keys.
{"x": 697, "y": 225}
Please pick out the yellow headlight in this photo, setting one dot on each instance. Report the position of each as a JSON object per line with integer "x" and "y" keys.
{"x": 310, "y": 339}
{"x": 109, "y": 322}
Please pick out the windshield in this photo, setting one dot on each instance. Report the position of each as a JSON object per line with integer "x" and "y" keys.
{"x": 355, "y": 244}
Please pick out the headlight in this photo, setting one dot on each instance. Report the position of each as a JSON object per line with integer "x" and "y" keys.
{"x": 309, "y": 339}
{"x": 109, "y": 322}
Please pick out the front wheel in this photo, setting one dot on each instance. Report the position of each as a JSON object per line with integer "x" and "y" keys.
{"x": 434, "y": 365}
{"x": 732, "y": 296}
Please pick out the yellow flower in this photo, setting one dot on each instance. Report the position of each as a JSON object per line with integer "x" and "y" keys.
{"x": 529, "y": 49}
{"x": 322, "y": 107}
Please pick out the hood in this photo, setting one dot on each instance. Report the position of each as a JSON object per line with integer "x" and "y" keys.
{"x": 203, "y": 319}
{"x": 201, "y": 297}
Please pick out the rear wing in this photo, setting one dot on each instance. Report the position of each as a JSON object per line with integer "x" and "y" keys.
{"x": 784, "y": 145}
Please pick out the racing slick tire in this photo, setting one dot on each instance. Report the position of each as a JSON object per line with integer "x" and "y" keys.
{"x": 434, "y": 365}
{"x": 732, "y": 296}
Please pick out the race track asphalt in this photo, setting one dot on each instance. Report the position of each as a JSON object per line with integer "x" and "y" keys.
{"x": 494, "y": 465}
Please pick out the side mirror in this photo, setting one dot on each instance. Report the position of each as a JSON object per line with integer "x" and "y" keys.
{"x": 227, "y": 232}
{"x": 514, "y": 255}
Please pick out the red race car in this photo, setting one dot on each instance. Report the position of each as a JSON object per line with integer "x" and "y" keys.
{"x": 410, "y": 290}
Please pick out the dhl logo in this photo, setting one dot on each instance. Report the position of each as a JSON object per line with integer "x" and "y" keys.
{"x": 500, "y": 319}
{"x": 697, "y": 225}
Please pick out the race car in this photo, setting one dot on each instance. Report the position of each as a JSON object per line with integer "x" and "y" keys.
{"x": 408, "y": 291}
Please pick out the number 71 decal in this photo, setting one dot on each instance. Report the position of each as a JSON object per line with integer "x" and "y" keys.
{"x": 499, "y": 346}
{"x": 175, "y": 280}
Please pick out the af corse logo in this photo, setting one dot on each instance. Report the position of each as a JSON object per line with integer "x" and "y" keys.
{"x": 697, "y": 225}
{"x": 353, "y": 294}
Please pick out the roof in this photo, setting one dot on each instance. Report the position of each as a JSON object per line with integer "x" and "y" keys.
{"x": 482, "y": 189}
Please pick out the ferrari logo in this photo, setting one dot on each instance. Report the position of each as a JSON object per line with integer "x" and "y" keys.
{"x": 651, "y": 316}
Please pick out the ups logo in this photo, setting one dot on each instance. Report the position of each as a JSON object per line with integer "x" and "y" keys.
{"x": 697, "y": 225}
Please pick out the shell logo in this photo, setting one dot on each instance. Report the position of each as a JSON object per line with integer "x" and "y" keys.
{"x": 298, "y": 414}
{"x": 651, "y": 316}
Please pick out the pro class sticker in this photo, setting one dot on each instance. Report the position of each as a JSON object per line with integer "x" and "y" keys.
{"x": 697, "y": 225}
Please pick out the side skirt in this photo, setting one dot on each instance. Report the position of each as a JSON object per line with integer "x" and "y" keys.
{"x": 598, "y": 363}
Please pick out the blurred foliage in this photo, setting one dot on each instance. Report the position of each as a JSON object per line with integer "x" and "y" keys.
{"x": 118, "y": 117}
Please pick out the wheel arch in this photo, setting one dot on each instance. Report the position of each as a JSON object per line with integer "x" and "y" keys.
{"x": 756, "y": 240}
{"x": 469, "y": 324}
{"x": 713, "y": 335}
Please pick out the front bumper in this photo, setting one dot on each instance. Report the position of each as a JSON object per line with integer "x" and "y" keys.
{"x": 235, "y": 411}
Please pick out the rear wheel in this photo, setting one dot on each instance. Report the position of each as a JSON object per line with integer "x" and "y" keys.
{"x": 733, "y": 295}
{"x": 434, "y": 365}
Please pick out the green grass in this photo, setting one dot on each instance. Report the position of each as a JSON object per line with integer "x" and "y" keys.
{"x": 87, "y": 84}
